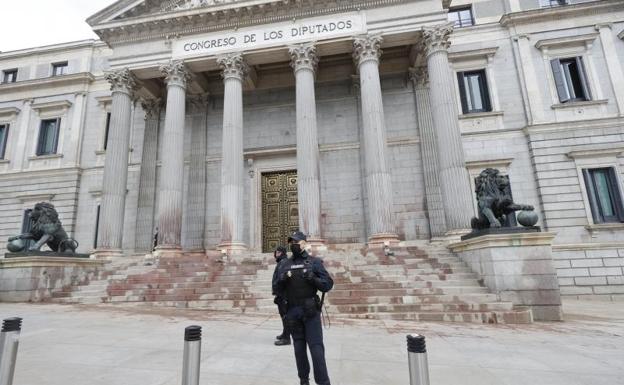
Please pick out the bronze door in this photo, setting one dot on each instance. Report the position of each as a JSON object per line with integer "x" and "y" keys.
{"x": 280, "y": 208}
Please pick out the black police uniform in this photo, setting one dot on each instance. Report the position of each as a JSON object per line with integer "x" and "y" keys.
{"x": 299, "y": 279}
{"x": 284, "y": 338}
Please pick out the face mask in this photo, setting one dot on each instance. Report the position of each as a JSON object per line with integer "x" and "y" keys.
{"x": 296, "y": 249}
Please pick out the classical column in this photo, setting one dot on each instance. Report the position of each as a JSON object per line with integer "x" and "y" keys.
{"x": 196, "y": 195}
{"x": 172, "y": 170}
{"x": 232, "y": 172}
{"x": 304, "y": 62}
{"x": 366, "y": 52}
{"x": 456, "y": 194}
{"x": 113, "y": 206}
{"x": 429, "y": 152}
{"x": 144, "y": 239}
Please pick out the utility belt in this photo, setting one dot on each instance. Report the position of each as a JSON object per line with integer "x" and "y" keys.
{"x": 306, "y": 303}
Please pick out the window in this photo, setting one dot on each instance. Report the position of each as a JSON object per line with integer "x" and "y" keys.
{"x": 473, "y": 91}
{"x": 59, "y": 69}
{"x": 4, "y": 133}
{"x": 604, "y": 195}
{"x": 570, "y": 79}
{"x": 9, "y": 76}
{"x": 552, "y": 3}
{"x": 106, "y": 129}
{"x": 97, "y": 227}
{"x": 48, "y": 137}
{"x": 461, "y": 17}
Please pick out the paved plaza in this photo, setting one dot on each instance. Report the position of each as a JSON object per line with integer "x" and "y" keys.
{"x": 92, "y": 345}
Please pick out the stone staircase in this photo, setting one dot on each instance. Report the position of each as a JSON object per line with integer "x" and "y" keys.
{"x": 425, "y": 283}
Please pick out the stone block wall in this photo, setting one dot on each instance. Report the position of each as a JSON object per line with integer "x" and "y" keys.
{"x": 596, "y": 272}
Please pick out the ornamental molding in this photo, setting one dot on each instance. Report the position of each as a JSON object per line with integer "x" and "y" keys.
{"x": 176, "y": 73}
{"x": 566, "y": 41}
{"x": 197, "y": 104}
{"x": 82, "y": 79}
{"x": 220, "y": 17}
{"x": 8, "y": 114}
{"x": 367, "y": 48}
{"x": 60, "y": 105}
{"x": 233, "y": 66}
{"x": 303, "y": 56}
{"x": 419, "y": 76}
{"x": 472, "y": 54}
{"x": 568, "y": 11}
{"x": 152, "y": 108}
{"x": 122, "y": 81}
{"x": 437, "y": 38}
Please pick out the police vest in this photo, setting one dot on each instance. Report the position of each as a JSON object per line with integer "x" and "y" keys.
{"x": 297, "y": 287}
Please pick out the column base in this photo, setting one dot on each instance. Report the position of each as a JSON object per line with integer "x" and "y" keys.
{"x": 167, "y": 251}
{"x": 381, "y": 240}
{"x": 107, "y": 254}
{"x": 232, "y": 248}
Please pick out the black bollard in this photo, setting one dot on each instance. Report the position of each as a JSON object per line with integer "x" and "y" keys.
{"x": 417, "y": 358}
{"x": 9, "y": 341}
{"x": 192, "y": 355}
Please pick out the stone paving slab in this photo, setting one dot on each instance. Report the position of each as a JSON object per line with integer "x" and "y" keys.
{"x": 113, "y": 345}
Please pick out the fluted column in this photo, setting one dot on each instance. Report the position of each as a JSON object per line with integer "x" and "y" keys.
{"x": 114, "y": 183}
{"x": 454, "y": 182}
{"x": 304, "y": 62}
{"x": 366, "y": 53}
{"x": 196, "y": 196}
{"x": 234, "y": 71}
{"x": 172, "y": 170}
{"x": 144, "y": 239}
{"x": 429, "y": 152}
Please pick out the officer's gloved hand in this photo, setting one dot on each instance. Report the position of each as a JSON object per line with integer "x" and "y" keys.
{"x": 311, "y": 278}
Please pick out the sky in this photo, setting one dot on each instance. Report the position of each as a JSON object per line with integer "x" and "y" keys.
{"x": 35, "y": 23}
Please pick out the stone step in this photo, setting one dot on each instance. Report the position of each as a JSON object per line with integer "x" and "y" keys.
{"x": 409, "y": 308}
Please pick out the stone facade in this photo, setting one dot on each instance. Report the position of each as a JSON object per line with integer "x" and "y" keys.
{"x": 396, "y": 151}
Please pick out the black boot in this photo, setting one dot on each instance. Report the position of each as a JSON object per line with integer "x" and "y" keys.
{"x": 304, "y": 382}
{"x": 282, "y": 341}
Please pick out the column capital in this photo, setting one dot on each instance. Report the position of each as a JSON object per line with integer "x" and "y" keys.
{"x": 197, "y": 103}
{"x": 303, "y": 56}
{"x": 233, "y": 66}
{"x": 367, "y": 48}
{"x": 419, "y": 76}
{"x": 151, "y": 107}
{"x": 600, "y": 26}
{"x": 176, "y": 73}
{"x": 437, "y": 38}
{"x": 122, "y": 81}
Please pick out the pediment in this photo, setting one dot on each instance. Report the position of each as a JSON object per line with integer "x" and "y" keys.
{"x": 131, "y": 9}
{"x": 134, "y": 20}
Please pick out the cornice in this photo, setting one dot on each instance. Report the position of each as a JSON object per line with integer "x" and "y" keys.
{"x": 63, "y": 47}
{"x": 224, "y": 17}
{"x": 567, "y": 40}
{"x": 472, "y": 54}
{"x": 82, "y": 78}
{"x": 543, "y": 14}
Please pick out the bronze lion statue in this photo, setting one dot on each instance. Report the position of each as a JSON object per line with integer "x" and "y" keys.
{"x": 496, "y": 207}
{"x": 46, "y": 230}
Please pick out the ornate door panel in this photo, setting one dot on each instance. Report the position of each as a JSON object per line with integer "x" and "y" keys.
{"x": 280, "y": 208}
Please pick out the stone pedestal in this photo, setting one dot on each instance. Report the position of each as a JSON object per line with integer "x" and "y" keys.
{"x": 34, "y": 276}
{"x": 518, "y": 267}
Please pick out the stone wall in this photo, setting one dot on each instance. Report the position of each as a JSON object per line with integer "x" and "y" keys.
{"x": 590, "y": 271}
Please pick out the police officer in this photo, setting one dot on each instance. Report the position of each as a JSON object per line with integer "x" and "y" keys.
{"x": 299, "y": 279}
{"x": 283, "y": 339}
